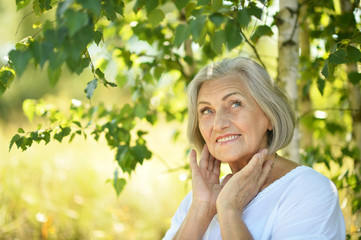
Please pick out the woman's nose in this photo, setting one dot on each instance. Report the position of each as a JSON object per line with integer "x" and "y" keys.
{"x": 221, "y": 121}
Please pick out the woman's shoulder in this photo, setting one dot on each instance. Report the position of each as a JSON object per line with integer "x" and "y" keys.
{"x": 298, "y": 174}
{"x": 306, "y": 183}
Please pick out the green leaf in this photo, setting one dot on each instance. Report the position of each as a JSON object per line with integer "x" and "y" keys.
{"x": 217, "y": 19}
{"x": 29, "y": 108}
{"x": 328, "y": 70}
{"x": 94, "y": 6}
{"x": 150, "y": 5}
{"x": 197, "y": 26}
{"x": 202, "y": 2}
{"x": 181, "y": 34}
{"x": 217, "y": 4}
{"x": 243, "y": 18}
{"x": 354, "y": 77}
{"x": 7, "y": 76}
{"x": 20, "y": 130}
{"x": 254, "y": 10}
{"x": 138, "y": 5}
{"x": 217, "y": 41}
{"x": 155, "y": 17}
{"x": 233, "y": 35}
{"x": 356, "y": 205}
{"x": 321, "y": 84}
{"x": 140, "y": 152}
{"x": 141, "y": 110}
{"x": 63, "y": 133}
{"x": 356, "y": 38}
{"x": 119, "y": 185}
{"x": 91, "y": 86}
{"x": 41, "y": 51}
{"x": 75, "y": 20}
{"x": 121, "y": 151}
{"x": 23, "y": 142}
{"x": 14, "y": 139}
{"x": 57, "y": 59}
{"x": 62, "y": 7}
{"x": 324, "y": 70}
{"x": 72, "y": 137}
{"x": 338, "y": 57}
{"x": 53, "y": 75}
{"x": 20, "y": 59}
{"x": 40, "y": 6}
{"x": 55, "y": 37}
{"x": 84, "y": 62}
{"x": 353, "y": 54}
{"x": 262, "y": 30}
{"x": 100, "y": 74}
{"x": 180, "y": 4}
{"x": 46, "y": 137}
{"x": 191, "y": 6}
{"x": 21, "y": 4}
{"x": 98, "y": 36}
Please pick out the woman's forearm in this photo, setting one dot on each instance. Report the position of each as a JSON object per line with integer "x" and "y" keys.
{"x": 196, "y": 222}
{"x": 232, "y": 225}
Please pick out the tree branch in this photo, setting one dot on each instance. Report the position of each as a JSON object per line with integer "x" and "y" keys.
{"x": 27, "y": 15}
{"x": 254, "y": 50}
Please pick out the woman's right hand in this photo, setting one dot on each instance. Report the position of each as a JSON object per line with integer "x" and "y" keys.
{"x": 205, "y": 180}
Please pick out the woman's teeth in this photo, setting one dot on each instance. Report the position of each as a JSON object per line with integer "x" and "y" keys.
{"x": 225, "y": 139}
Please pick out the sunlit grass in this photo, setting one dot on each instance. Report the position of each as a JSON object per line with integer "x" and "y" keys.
{"x": 61, "y": 191}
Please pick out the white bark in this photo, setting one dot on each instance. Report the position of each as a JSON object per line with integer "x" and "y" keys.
{"x": 288, "y": 60}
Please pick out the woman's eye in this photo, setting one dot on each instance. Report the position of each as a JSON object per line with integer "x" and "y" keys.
{"x": 236, "y": 104}
{"x": 205, "y": 111}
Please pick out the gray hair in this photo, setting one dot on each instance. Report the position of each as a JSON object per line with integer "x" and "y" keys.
{"x": 271, "y": 98}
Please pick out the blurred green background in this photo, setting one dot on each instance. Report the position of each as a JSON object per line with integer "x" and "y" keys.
{"x": 64, "y": 191}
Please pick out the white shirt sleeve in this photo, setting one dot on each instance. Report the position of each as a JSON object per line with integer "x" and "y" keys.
{"x": 179, "y": 217}
{"x": 312, "y": 212}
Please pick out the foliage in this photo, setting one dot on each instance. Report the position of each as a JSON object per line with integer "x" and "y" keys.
{"x": 163, "y": 26}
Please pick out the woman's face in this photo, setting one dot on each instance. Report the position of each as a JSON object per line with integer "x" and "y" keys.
{"x": 232, "y": 124}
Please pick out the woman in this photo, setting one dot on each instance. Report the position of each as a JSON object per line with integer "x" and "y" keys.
{"x": 239, "y": 116}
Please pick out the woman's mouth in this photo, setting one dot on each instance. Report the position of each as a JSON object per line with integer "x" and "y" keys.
{"x": 227, "y": 138}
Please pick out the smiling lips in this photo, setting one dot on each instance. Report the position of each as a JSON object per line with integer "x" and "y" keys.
{"x": 227, "y": 138}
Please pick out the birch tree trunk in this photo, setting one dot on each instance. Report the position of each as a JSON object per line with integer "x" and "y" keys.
{"x": 287, "y": 21}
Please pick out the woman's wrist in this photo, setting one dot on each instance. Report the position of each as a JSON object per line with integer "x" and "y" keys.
{"x": 203, "y": 210}
{"x": 228, "y": 210}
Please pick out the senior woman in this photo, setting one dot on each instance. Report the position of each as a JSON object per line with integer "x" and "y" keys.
{"x": 239, "y": 116}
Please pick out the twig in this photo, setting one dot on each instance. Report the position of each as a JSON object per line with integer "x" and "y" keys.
{"x": 27, "y": 15}
{"x": 254, "y": 50}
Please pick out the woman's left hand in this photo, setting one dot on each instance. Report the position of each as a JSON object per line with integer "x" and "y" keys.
{"x": 243, "y": 186}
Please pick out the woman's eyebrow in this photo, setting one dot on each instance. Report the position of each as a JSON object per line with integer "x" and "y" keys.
{"x": 230, "y": 94}
{"x": 223, "y": 99}
{"x": 203, "y": 102}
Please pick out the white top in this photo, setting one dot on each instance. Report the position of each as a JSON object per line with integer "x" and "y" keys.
{"x": 303, "y": 204}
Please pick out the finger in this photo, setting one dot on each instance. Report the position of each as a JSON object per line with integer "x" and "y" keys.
{"x": 217, "y": 167}
{"x": 193, "y": 160}
{"x": 265, "y": 172}
{"x": 204, "y": 161}
{"x": 259, "y": 160}
{"x": 211, "y": 163}
{"x": 226, "y": 179}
